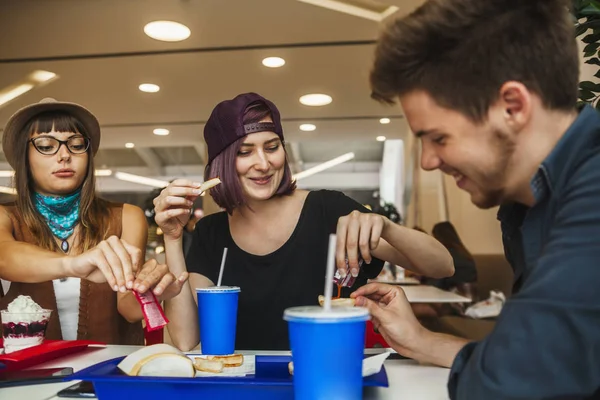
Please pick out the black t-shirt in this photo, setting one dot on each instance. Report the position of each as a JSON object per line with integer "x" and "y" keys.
{"x": 293, "y": 275}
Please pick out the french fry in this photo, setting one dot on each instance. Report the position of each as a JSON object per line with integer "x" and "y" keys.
{"x": 232, "y": 360}
{"x": 209, "y": 184}
{"x": 205, "y": 365}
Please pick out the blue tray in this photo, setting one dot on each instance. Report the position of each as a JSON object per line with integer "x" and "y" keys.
{"x": 271, "y": 381}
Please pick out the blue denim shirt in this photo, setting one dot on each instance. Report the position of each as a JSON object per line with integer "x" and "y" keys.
{"x": 546, "y": 342}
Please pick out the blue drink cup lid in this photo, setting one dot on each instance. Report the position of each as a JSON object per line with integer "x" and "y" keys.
{"x": 319, "y": 315}
{"x": 219, "y": 289}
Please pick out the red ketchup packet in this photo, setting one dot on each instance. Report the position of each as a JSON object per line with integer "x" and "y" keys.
{"x": 349, "y": 279}
{"x": 153, "y": 313}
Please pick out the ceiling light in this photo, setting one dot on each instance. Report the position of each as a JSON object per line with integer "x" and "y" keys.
{"x": 315, "y": 99}
{"x": 41, "y": 76}
{"x": 368, "y": 9}
{"x": 142, "y": 180}
{"x": 130, "y": 145}
{"x": 384, "y": 121}
{"x": 273, "y": 62}
{"x": 324, "y": 166}
{"x": 8, "y": 190}
{"x": 35, "y": 78}
{"x": 149, "y": 87}
{"x": 380, "y": 138}
{"x": 7, "y": 174}
{"x": 103, "y": 172}
{"x": 161, "y": 132}
{"x": 307, "y": 127}
{"x": 14, "y": 92}
{"x": 167, "y": 31}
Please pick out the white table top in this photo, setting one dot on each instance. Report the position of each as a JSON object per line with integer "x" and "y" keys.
{"x": 431, "y": 294}
{"x": 407, "y": 379}
{"x": 400, "y": 281}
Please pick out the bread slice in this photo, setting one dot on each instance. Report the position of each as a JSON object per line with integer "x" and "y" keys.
{"x": 232, "y": 360}
{"x": 157, "y": 360}
{"x": 206, "y": 365}
{"x": 341, "y": 302}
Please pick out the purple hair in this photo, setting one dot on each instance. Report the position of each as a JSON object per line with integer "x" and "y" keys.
{"x": 228, "y": 194}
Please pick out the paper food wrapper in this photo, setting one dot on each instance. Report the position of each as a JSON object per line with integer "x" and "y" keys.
{"x": 373, "y": 364}
{"x": 487, "y": 308}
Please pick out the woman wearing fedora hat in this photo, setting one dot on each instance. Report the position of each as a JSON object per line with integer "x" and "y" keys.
{"x": 276, "y": 235}
{"x": 68, "y": 249}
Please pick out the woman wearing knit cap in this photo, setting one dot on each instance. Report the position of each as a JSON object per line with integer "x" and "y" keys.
{"x": 276, "y": 235}
{"x": 71, "y": 251}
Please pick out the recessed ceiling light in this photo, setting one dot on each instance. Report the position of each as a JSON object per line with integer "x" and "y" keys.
{"x": 273, "y": 62}
{"x": 149, "y": 87}
{"x": 167, "y": 31}
{"x": 307, "y": 127}
{"x": 42, "y": 76}
{"x": 129, "y": 145}
{"x": 380, "y": 138}
{"x": 161, "y": 132}
{"x": 315, "y": 99}
{"x": 384, "y": 121}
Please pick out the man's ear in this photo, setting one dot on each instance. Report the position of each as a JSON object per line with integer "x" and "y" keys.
{"x": 515, "y": 101}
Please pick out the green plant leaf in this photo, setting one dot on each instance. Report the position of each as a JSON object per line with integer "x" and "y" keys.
{"x": 593, "y": 61}
{"x": 591, "y": 38}
{"x": 589, "y": 11}
{"x": 586, "y": 95}
{"x": 591, "y": 86}
{"x": 591, "y": 47}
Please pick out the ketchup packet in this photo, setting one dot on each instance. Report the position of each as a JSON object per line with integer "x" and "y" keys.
{"x": 153, "y": 313}
{"x": 349, "y": 279}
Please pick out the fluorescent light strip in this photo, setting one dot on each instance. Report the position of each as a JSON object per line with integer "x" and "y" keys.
{"x": 7, "y": 174}
{"x": 353, "y": 9}
{"x": 36, "y": 78}
{"x": 8, "y": 190}
{"x": 12, "y": 92}
{"x": 322, "y": 167}
{"x": 142, "y": 180}
{"x": 103, "y": 172}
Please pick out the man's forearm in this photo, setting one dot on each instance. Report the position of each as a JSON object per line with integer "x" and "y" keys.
{"x": 24, "y": 262}
{"x": 436, "y": 348}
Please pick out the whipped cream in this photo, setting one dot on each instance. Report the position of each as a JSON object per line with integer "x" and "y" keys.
{"x": 23, "y": 309}
{"x": 24, "y": 304}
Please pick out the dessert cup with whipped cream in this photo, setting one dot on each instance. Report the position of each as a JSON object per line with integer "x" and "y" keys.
{"x": 24, "y": 324}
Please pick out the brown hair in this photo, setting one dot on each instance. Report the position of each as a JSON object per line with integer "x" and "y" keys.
{"x": 228, "y": 194}
{"x": 462, "y": 51}
{"x": 93, "y": 211}
{"x": 446, "y": 234}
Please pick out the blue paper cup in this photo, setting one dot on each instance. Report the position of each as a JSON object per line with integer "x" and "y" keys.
{"x": 327, "y": 350}
{"x": 217, "y": 314}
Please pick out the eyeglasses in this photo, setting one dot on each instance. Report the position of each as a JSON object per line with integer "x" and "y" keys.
{"x": 48, "y": 145}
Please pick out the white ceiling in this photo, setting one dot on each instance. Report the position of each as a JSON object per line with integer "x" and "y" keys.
{"x": 101, "y": 54}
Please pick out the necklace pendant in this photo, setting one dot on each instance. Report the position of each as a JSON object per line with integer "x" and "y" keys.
{"x": 64, "y": 246}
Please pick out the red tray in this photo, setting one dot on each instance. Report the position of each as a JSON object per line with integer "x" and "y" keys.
{"x": 49, "y": 350}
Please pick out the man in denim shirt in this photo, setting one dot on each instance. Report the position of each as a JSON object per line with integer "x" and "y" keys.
{"x": 490, "y": 87}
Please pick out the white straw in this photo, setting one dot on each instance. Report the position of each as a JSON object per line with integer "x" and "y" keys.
{"x": 222, "y": 266}
{"x": 329, "y": 273}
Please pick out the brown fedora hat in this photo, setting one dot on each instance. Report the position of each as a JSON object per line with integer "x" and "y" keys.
{"x": 18, "y": 120}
